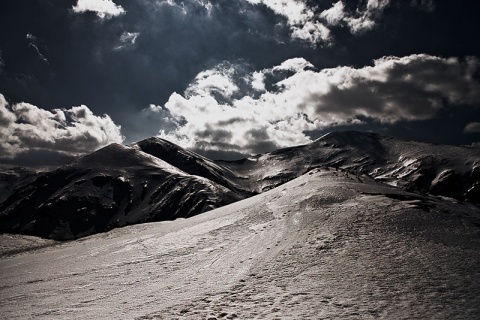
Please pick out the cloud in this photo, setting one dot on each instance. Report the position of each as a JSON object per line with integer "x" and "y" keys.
{"x": 127, "y": 39}
{"x": 426, "y": 5}
{"x": 191, "y": 6}
{"x": 307, "y": 25}
{"x": 359, "y": 21}
{"x": 104, "y": 9}
{"x": 219, "y": 110}
{"x": 149, "y": 121}
{"x": 300, "y": 18}
{"x": 472, "y": 127}
{"x": 33, "y": 42}
{"x": 217, "y": 82}
{"x": 75, "y": 131}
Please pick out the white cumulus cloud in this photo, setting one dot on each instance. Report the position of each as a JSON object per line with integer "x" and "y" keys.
{"x": 285, "y": 102}
{"x": 75, "y": 131}
{"x": 359, "y": 21}
{"x": 301, "y": 19}
{"x": 308, "y": 25}
{"x": 104, "y": 9}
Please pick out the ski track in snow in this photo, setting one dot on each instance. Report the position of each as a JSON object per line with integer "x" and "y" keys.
{"x": 328, "y": 245}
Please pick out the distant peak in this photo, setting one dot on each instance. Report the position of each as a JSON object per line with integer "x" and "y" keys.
{"x": 155, "y": 141}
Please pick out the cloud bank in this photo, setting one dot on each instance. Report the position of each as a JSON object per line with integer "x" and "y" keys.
{"x": 231, "y": 109}
{"x": 104, "y": 9}
{"x": 75, "y": 131}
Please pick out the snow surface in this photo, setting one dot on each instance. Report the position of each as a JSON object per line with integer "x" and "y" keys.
{"x": 327, "y": 245}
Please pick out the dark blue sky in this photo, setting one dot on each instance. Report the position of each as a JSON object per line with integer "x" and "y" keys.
{"x": 230, "y": 78}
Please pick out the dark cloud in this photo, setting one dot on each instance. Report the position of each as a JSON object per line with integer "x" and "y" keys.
{"x": 415, "y": 87}
{"x": 215, "y": 136}
{"x": 472, "y": 127}
{"x": 427, "y": 5}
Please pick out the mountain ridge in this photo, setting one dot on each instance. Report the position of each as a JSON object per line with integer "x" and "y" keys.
{"x": 155, "y": 180}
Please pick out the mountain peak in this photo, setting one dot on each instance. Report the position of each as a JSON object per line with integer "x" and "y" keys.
{"x": 114, "y": 155}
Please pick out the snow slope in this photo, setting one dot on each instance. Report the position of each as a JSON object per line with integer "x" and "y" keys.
{"x": 327, "y": 245}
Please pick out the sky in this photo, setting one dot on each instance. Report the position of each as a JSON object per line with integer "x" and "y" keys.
{"x": 229, "y": 78}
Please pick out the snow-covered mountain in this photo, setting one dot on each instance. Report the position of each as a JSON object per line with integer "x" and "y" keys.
{"x": 155, "y": 180}
{"x": 451, "y": 171}
{"x": 112, "y": 187}
{"x": 192, "y": 163}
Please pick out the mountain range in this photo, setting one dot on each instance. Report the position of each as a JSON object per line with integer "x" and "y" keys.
{"x": 351, "y": 226}
{"x": 156, "y": 180}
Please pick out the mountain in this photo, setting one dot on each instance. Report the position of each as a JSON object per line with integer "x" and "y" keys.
{"x": 450, "y": 171}
{"x": 192, "y": 163}
{"x": 12, "y": 178}
{"x": 156, "y": 180}
{"x": 327, "y": 245}
{"x": 112, "y": 187}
